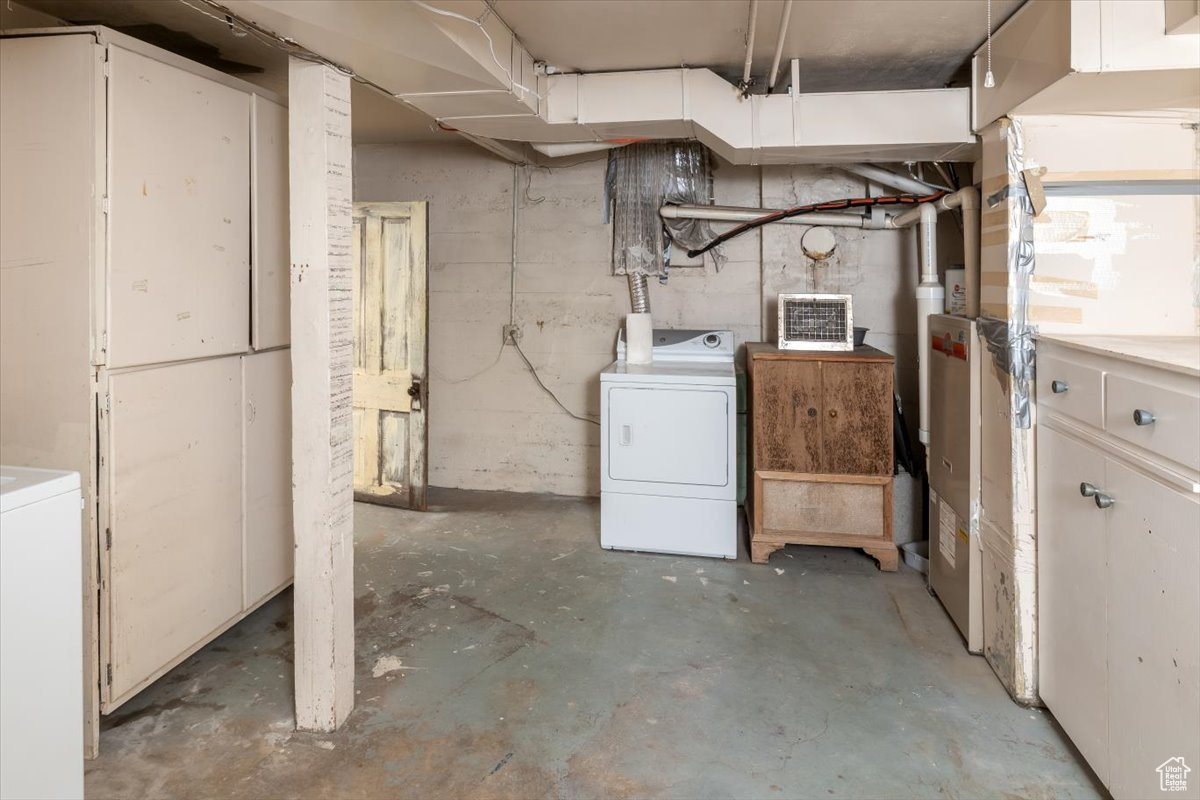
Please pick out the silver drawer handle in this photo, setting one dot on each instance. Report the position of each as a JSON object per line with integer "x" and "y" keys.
{"x": 1087, "y": 490}
{"x": 1143, "y": 417}
{"x": 1104, "y": 500}
{"x": 1059, "y": 387}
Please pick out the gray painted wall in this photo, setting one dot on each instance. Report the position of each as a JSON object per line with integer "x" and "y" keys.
{"x": 491, "y": 427}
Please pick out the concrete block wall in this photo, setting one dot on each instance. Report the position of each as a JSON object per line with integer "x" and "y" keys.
{"x": 491, "y": 427}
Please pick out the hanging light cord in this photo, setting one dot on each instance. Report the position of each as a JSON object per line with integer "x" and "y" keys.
{"x": 989, "y": 80}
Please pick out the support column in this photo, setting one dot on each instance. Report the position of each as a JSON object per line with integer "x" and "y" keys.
{"x": 319, "y": 171}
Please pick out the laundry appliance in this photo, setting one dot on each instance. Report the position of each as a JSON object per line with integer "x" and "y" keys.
{"x": 668, "y": 447}
{"x": 955, "y": 553}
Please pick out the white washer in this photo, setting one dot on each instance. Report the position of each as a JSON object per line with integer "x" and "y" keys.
{"x": 668, "y": 447}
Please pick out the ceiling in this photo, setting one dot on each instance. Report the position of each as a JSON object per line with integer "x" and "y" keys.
{"x": 842, "y": 45}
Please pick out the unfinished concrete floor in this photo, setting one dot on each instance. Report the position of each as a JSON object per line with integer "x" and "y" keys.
{"x": 503, "y": 653}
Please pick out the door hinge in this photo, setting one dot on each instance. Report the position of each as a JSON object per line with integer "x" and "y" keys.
{"x": 108, "y": 674}
{"x": 104, "y": 204}
{"x": 108, "y": 538}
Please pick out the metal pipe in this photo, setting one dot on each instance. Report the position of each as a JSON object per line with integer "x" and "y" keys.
{"x": 750, "y": 43}
{"x": 783, "y": 27}
{"x": 832, "y": 219}
{"x": 639, "y": 293}
{"x": 512, "y": 273}
{"x": 889, "y": 178}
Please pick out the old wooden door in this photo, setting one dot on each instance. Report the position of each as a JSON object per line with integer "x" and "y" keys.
{"x": 390, "y": 354}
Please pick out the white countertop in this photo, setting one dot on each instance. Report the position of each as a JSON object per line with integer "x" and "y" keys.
{"x": 20, "y": 486}
{"x": 1176, "y": 353}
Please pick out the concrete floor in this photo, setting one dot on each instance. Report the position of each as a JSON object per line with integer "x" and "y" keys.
{"x": 503, "y": 653}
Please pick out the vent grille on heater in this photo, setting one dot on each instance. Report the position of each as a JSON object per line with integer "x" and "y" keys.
{"x": 815, "y": 322}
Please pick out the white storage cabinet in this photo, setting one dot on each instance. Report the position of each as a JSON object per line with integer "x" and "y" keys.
{"x": 1118, "y": 464}
{"x": 143, "y": 327}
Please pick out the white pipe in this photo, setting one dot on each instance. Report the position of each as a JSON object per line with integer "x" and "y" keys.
{"x": 559, "y": 149}
{"x": 831, "y": 219}
{"x": 889, "y": 178}
{"x": 750, "y": 42}
{"x": 930, "y": 294}
{"x": 971, "y": 232}
{"x": 783, "y": 27}
{"x": 931, "y": 299}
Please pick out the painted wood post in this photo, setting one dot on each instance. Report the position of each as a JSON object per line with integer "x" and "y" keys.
{"x": 319, "y": 161}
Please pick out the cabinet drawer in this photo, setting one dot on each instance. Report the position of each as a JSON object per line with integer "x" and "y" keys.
{"x": 1169, "y": 420}
{"x": 838, "y": 508}
{"x": 1080, "y": 389}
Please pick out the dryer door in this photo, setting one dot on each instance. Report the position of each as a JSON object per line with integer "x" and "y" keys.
{"x": 668, "y": 435}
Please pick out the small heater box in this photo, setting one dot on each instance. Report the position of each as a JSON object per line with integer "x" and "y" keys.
{"x": 816, "y": 322}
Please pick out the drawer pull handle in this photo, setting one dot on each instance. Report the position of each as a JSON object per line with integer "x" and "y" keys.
{"x": 1104, "y": 500}
{"x": 1143, "y": 417}
{"x": 1087, "y": 490}
{"x": 1059, "y": 387}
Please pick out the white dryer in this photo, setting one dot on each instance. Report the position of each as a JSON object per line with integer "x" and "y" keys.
{"x": 668, "y": 447}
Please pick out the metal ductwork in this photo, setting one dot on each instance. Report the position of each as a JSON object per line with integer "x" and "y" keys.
{"x": 466, "y": 69}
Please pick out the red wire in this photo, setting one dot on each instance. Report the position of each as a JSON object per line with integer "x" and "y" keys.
{"x": 830, "y": 205}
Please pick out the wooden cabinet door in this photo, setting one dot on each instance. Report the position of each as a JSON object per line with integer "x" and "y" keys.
{"x": 179, "y": 216}
{"x": 1072, "y": 565}
{"x": 1153, "y": 631}
{"x": 856, "y": 414}
{"x": 173, "y": 480}
{"x": 786, "y": 414}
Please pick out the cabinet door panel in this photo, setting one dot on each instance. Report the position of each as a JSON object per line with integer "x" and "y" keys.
{"x": 267, "y": 420}
{"x": 1154, "y": 630}
{"x": 175, "y": 513}
{"x": 856, "y": 413}
{"x": 787, "y": 415}
{"x": 269, "y": 223}
{"x": 179, "y": 221}
{"x": 1072, "y": 594}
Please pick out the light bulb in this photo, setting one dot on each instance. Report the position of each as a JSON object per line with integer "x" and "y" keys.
{"x": 989, "y": 80}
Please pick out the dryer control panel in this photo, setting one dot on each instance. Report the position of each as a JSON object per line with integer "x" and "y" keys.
{"x": 686, "y": 345}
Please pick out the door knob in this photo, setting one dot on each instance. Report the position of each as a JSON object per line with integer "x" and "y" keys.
{"x": 1088, "y": 490}
{"x": 1059, "y": 387}
{"x": 1104, "y": 500}
{"x": 1143, "y": 417}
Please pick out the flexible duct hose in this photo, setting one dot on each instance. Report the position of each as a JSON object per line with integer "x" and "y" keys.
{"x": 639, "y": 293}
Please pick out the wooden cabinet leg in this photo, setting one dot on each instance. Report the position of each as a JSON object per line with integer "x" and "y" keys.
{"x": 760, "y": 552}
{"x": 887, "y": 556}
